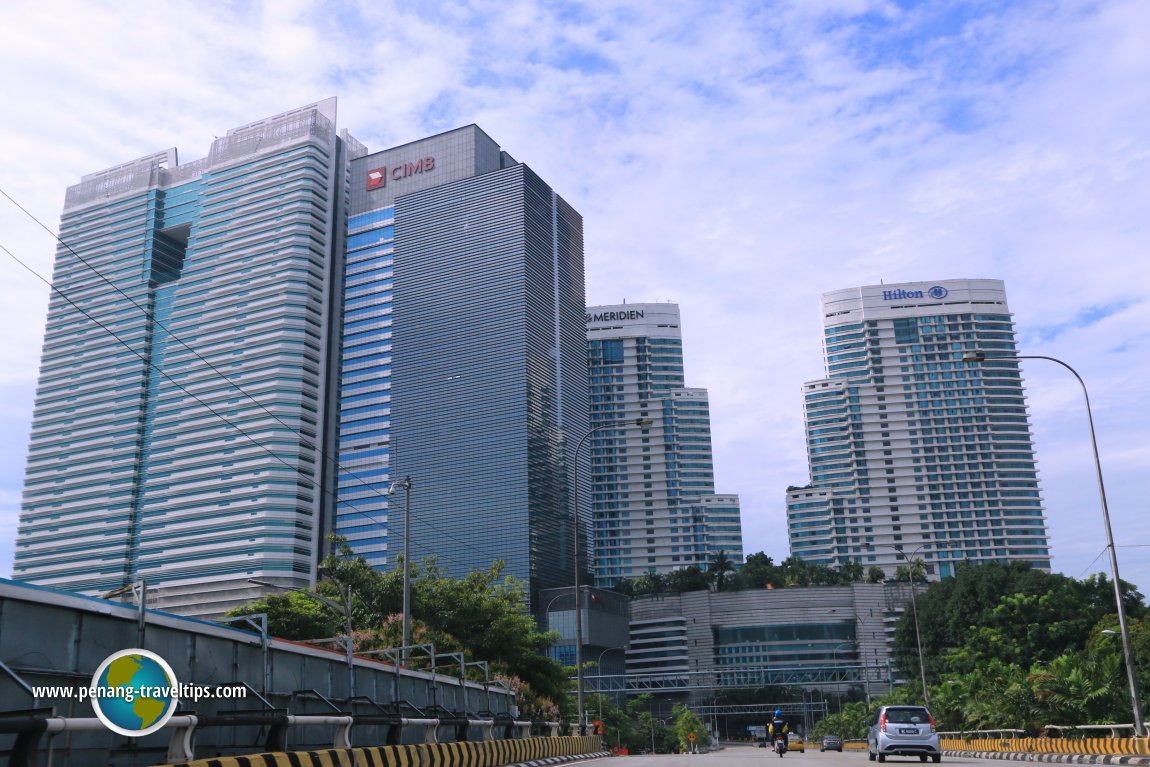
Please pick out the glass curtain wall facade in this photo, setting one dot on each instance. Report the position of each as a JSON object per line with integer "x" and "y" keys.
{"x": 364, "y": 479}
{"x": 482, "y": 339}
{"x": 910, "y": 448}
{"x": 179, "y": 429}
{"x": 655, "y": 507}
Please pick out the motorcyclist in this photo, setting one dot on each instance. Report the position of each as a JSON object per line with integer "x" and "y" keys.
{"x": 778, "y": 727}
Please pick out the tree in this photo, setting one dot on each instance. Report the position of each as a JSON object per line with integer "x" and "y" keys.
{"x": 686, "y": 723}
{"x": 848, "y": 723}
{"x": 687, "y": 579}
{"x": 875, "y": 574}
{"x": 617, "y": 726}
{"x": 649, "y": 731}
{"x": 851, "y": 571}
{"x": 650, "y": 584}
{"x": 483, "y": 614}
{"x": 1007, "y": 612}
{"x": 720, "y": 566}
{"x": 758, "y": 572}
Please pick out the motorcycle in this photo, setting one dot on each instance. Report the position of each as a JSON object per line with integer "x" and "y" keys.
{"x": 780, "y": 745}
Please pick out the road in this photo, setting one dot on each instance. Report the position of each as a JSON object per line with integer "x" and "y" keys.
{"x": 748, "y": 756}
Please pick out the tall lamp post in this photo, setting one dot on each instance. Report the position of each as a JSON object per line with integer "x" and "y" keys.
{"x": 642, "y": 422}
{"x": 599, "y": 672}
{"x": 405, "y": 484}
{"x": 835, "y": 663}
{"x": 914, "y": 610}
{"x": 1123, "y": 627}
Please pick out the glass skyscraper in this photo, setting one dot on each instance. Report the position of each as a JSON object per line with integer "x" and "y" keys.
{"x": 910, "y": 448}
{"x": 246, "y": 351}
{"x": 465, "y": 300}
{"x": 180, "y": 419}
{"x": 655, "y": 507}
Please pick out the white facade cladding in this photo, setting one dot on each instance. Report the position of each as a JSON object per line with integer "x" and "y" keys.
{"x": 179, "y": 429}
{"x": 654, "y": 502}
{"x": 910, "y": 448}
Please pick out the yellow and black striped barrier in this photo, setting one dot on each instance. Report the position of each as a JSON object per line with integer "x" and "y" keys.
{"x": 478, "y": 753}
{"x": 1099, "y": 746}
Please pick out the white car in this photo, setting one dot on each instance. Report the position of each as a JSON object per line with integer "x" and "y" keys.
{"x": 903, "y": 731}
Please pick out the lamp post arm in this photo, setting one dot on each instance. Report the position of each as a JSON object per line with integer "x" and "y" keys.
{"x": 1123, "y": 626}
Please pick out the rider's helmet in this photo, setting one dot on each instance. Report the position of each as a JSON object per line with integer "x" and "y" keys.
{"x": 778, "y": 712}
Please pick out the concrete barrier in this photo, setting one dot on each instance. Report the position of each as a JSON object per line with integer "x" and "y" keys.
{"x": 1099, "y": 746}
{"x": 483, "y": 753}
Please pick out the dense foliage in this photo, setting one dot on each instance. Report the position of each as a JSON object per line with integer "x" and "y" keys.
{"x": 483, "y": 615}
{"x": 1007, "y": 646}
{"x": 637, "y": 729}
{"x": 1008, "y": 613}
{"x": 758, "y": 572}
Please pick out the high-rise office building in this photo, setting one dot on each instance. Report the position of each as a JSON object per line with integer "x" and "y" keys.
{"x": 481, "y": 354}
{"x": 246, "y": 351}
{"x": 655, "y": 506}
{"x": 180, "y": 419}
{"x": 912, "y": 449}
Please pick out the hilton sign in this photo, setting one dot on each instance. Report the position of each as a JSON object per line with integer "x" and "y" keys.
{"x": 937, "y": 292}
{"x": 377, "y": 177}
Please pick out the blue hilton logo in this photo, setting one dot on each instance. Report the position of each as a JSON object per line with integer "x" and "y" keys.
{"x": 937, "y": 292}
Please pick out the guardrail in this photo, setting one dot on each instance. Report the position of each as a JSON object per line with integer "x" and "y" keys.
{"x": 1048, "y": 745}
{"x": 30, "y": 726}
{"x": 487, "y": 753}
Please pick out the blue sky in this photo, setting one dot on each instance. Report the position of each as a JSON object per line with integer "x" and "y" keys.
{"x": 739, "y": 158}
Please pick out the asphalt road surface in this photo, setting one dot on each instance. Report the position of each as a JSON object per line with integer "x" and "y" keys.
{"x": 749, "y": 756}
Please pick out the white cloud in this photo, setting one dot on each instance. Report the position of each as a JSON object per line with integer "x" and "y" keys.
{"x": 739, "y": 158}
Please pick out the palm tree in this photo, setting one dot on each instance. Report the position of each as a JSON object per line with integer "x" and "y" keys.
{"x": 718, "y": 569}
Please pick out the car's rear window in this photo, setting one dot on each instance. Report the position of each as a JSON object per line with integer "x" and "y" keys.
{"x": 907, "y": 715}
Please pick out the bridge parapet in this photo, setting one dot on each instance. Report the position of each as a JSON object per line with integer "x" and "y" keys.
{"x": 483, "y": 753}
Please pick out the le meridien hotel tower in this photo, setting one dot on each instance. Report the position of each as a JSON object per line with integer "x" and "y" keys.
{"x": 655, "y": 507}
{"x": 238, "y": 347}
{"x": 910, "y": 448}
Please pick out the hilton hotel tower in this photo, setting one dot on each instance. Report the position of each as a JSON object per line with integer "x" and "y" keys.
{"x": 910, "y": 448}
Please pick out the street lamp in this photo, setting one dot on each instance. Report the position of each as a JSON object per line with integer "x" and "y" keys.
{"x": 599, "y": 671}
{"x": 914, "y": 610}
{"x": 835, "y": 663}
{"x": 405, "y": 483}
{"x": 1124, "y": 628}
{"x": 344, "y": 610}
{"x": 641, "y": 422}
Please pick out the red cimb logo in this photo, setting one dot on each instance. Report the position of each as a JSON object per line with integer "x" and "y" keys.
{"x": 376, "y": 178}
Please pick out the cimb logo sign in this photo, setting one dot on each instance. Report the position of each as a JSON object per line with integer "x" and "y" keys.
{"x": 377, "y": 177}
{"x": 938, "y": 293}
